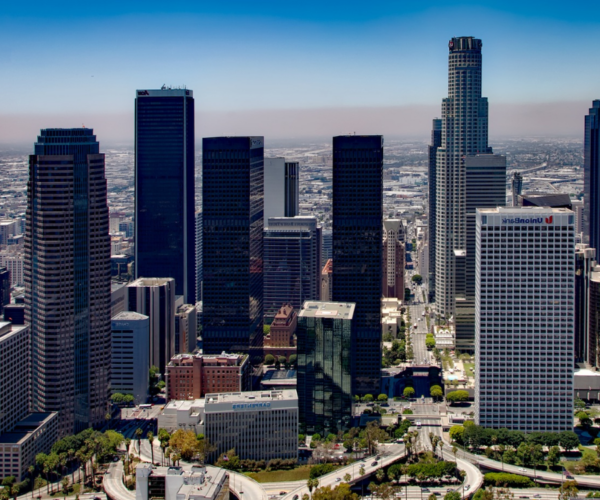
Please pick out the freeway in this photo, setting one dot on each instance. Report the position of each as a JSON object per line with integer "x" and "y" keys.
{"x": 388, "y": 455}
{"x": 113, "y": 483}
{"x": 551, "y": 477}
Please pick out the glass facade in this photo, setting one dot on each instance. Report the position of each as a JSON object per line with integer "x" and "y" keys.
{"x": 324, "y": 367}
{"x": 357, "y": 248}
{"x": 165, "y": 225}
{"x": 292, "y": 257}
{"x": 591, "y": 173}
{"x": 232, "y": 241}
{"x": 436, "y": 142}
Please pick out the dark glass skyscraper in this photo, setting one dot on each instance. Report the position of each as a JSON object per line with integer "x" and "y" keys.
{"x": 165, "y": 225}
{"x": 436, "y": 142}
{"x": 232, "y": 230}
{"x": 324, "y": 366}
{"x": 67, "y": 278}
{"x": 357, "y": 248}
{"x": 591, "y": 173}
{"x": 292, "y": 189}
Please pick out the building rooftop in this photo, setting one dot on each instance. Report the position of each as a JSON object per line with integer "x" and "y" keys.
{"x": 250, "y": 397}
{"x": 24, "y": 428}
{"x": 328, "y": 267}
{"x": 150, "y": 282}
{"x": 129, "y": 315}
{"x": 184, "y": 405}
{"x": 8, "y": 329}
{"x": 520, "y": 210}
{"x": 322, "y": 309}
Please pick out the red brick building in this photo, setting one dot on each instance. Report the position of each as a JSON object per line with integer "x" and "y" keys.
{"x": 191, "y": 376}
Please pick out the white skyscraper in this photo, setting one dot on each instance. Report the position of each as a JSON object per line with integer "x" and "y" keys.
{"x": 524, "y": 317}
{"x": 464, "y": 133}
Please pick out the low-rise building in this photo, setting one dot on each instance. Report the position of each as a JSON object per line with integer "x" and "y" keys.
{"x": 282, "y": 329}
{"x": 191, "y": 376}
{"x": 444, "y": 337}
{"x": 260, "y": 425}
{"x": 186, "y": 415}
{"x": 35, "y": 434}
{"x": 130, "y": 359}
{"x": 172, "y": 483}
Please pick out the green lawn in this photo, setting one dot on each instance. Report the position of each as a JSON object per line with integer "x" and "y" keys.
{"x": 300, "y": 473}
{"x": 469, "y": 369}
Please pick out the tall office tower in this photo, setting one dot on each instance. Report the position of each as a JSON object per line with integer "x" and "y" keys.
{"x": 517, "y": 188}
{"x": 155, "y": 298}
{"x": 584, "y": 266}
{"x": 199, "y": 256}
{"x": 325, "y": 360}
{"x": 4, "y": 288}
{"x": 591, "y": 176}
{"x": 164, "y": 188}
{"x": 274, "y": 188}
{"x": 292, "y": 189}
{"x": 485, "y": 188}
{"x": 464, "y": 133}
{"x": 130, "y": 355}
{"x": 232, "y": 240}
{"x": 593, "y": 340}
{"x": 436, "y": 142}
{"x": 357, "y": 249}
{"x": 292, "y": 263}
{"x": 525, "y": 318}
{"x": 392, "y": 274}
{"x": 326, "y": 245}
{"x": 67, "y": 278}
{"x": 186, "y": 329}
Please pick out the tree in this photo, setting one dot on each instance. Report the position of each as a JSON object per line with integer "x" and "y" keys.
{"x": 150, "y": 438}
{"x": 406, "y": 294}
{"x": 184, "y": 443}
{"x": 407, "y": 411}
{"x": 269, "y": 359}
{"x": 429, "y": 342}
{"x": 163, "y": 437}
{"x": 138, "y": 436}
{"x": 293, "y": 359}
{"x": 361, "y": 471}
{"x": 457, "y": 396}
{"x": 347, "y": 477}
{"x": 204, "y": 448}
{"x": 408, "y": 392}
{"x": 312, "y": 483}
{"x": 417, "y": 278}
{"x": 340, "y": 492}
{"x": 452, "y": 495}
{"x": 568, "y": 440}
{"x": 266, "y": 329}
{"x": 435, "y": 391}
{"x": 456, "y": 433}
{"x": 229, "y": 460}
{"x": 368, "y": 398}
{"x": 383, "y": 398}
{"x": 568, "y": 490}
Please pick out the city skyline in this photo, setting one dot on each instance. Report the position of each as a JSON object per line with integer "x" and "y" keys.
{"x": 351, "y": 69}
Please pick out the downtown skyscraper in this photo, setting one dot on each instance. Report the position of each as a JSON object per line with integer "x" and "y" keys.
{"x": 357, "y": 249}
{"x": 67, "y": 278}
{"x": 232, "y": 240}
{"x": 464, "y": 133}
{"x": 591, "y": 174}
{"x": 436, "y": 141}
{"x": 165, "y": 224}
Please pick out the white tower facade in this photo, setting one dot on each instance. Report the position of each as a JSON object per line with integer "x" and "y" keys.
{"x": 524, "y": 318}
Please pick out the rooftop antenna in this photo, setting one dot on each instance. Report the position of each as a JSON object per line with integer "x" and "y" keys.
{"x": 164, "y": 87}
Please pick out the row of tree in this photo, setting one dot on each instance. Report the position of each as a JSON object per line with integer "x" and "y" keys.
{"x": 476, "y": 437}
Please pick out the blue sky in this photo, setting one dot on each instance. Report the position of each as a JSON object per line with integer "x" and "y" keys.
{"x": 83, "y": 60}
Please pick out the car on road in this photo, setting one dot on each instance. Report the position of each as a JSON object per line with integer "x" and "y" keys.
{"x": 338, "y": 479}
{"x": 467, "y": 486}
{"x": 522, "y": 469}
{"x": 295, "y": 497}
{"x": 418, "y": 424}
{"x": 425, "y": 490}
{"x": 523, "y": 496}
{"x": 374, "y": 463}
{"x": 282, "y": 493}
{"x": 437, "y": 493}
{"x": 537, "y": 496}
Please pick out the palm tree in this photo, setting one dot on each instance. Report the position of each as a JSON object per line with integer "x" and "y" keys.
{"x": 312, "y": 483}
{"x": 442, "y": 448}
{"x": 380, "y": 475}
{"x": 81, "y": 456}
{"x": 150, "y": 438}
{"x": 71, "y": 455}
{"x": 138, "y": 436}
{"x": 454, "y": 450}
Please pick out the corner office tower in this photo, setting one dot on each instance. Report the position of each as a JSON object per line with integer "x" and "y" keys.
{"x": 464, "y": 133}
{"x": 165, "y": 224}
{"x": 67, "y": 278}
{"x": 358, "y": 249}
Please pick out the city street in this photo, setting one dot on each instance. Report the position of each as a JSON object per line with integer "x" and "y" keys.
{"x": 422, "y": 355}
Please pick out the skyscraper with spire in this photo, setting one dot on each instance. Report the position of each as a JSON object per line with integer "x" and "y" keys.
{"x": 464, "y": 133}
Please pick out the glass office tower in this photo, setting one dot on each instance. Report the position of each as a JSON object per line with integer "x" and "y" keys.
{"x": 591, "y": 174}
{"x": 436, "y": 142}
{"x": 357, "y": 248}
{"x": 165, "y": 226}
{"x": 324, "y": 336}
{"x": 67, "y": 278}
{"x": 232, "y": 241}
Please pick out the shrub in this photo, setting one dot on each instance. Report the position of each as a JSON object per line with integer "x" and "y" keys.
{"x": 320, "y": 470}
{"x": 507, "y": 480}
{"x": 457, "y": 396}
{"x": 269, "y": 359}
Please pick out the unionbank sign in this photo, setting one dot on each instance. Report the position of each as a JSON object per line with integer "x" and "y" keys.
{"x": 529, "y": 220}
